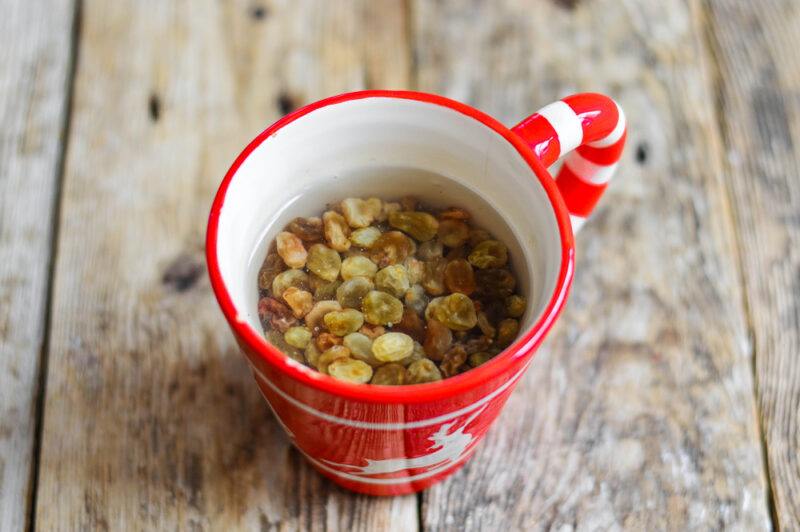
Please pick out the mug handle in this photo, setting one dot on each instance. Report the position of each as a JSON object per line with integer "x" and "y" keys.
{"x": 591, "y": 124}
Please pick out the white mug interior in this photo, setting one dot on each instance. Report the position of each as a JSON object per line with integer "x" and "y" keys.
{"x": 387, "y": 147}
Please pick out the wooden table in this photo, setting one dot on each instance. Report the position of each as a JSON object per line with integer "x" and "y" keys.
{"x": 667, "y": 397}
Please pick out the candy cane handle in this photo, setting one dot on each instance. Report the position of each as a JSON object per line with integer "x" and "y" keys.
{"x": 593, "y": 126}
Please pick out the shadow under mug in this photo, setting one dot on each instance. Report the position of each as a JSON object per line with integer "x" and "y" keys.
{"x": 389, "y": 440}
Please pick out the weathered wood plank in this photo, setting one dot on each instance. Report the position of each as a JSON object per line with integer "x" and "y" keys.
{"x": 35, "y": 58}
{"x": 152, "y": 420}
{"x": 639, "y": 412}
{"x": 759, "y": 77}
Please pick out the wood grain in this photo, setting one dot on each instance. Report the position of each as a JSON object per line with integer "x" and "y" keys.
{"x": 35, "y": 58}
{"x": 639, "y": 412}
{"x": 759, "y": 113}
{"x": 152, "y": 420}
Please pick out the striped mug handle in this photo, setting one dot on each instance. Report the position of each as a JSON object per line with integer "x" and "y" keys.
{"x": 591, "y": 124}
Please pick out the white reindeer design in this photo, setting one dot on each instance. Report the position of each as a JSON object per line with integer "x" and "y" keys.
{"x": 447, "y": 448}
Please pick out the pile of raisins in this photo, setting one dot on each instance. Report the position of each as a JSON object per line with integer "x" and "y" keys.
{"x": 388, "y": 293}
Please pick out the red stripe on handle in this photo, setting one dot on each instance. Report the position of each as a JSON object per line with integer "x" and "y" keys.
{"x": 592, "y": 123}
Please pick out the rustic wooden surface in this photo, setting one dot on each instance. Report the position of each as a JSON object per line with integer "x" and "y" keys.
{"x": 667, "y": 397}
{"x": 35, "y": 63}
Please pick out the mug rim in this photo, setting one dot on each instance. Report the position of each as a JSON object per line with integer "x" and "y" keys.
{"x": 406, "y": 393}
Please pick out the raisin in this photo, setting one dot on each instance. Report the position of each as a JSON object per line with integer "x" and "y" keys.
{"x": 272, "y": 266}
{"x": 391, "y": 374}
{"x": 297, "y": 337}
{"x": 432, "y": 306}
{"x": 323, "y": 289}
{"x": 291, "y": 249}
{"x": 452, "y": 361}
{"x": 506, "y": 332}
{"x": 474, "y": 345}
{"x": 351, "y": 292}
{"x": 411, "y": 324}
{"x": 358, "y": 266}
{"x": 457, "y": 312}
{"x": 317, "y": 313}
{"x": 415, "y": 269}
{"x": 423, "y": 371}
{"x": 420, "y": 225}
{"x": 282, "y": 281}
{"x": 392, "y": 346}
{"x": 343, "y": 322}
{"x": 380, "y": 308}
{"x": 476, "y": 236}
{"x": 324, "y": 261}
{"x": 375, "y": 208}
{"x": 329, "y": 356}
{"x": 454, "y": 213}
{"x": 371, "y": 331}
{"x": 327, "y": 340}
{"x": 433, "y": 276}
{"x": 438, "y": 340}
{"x": 416, "y": 299}
{"x": 409, "y": 203}
{"x": 366, "y": 237}
{"x": 312, "y": 354}
{"x": 360, "y": 346}
{"x": 459, "y": 277}
{"x": 347, "y": 369}
{"x": 278, "y": 340}
{"x": 357, "y": 212}
{"x": 453, "y": 233}
{"x": 476, "y": 359}
{"x": 418, "y": 353}
{"x": 494, "y": 283}
{"x": 278, "y": 315}
{"x": 485, "y": 325}
{"x": 489, "y": 254}
{"x": 391, "y": 247}
{"x": 515, "y": 306}
{"x": 337, "y": 232}
{"x": 430, "y": 250}
{"x": 300, "y": 301}
{"x": 308, "y": 230}
{"x": 387, "y": 209}
{"x": 393, "y": 280}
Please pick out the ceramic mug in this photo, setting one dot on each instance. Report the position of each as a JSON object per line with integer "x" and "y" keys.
{"x": 389, "y": 440}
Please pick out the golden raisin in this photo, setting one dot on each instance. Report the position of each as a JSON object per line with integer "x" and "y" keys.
{"x": 317, "y": 313}
{"x": 380, "y": 308}
{"x": 392, "y": 346}
{"x": 282, "y": 281}
{"x": 360, "y": 346}
{"x": 415, "y": 269}
{"x": 351, "y": 292}
{"x": 489, "y": 254}
{"x": 420, "y": 225}
{"x": 387, "y": 209}
{"x": 357, "y": 212}
{"x": 459, "y": 277}
{"x": 300, "y": 301}
{"x": 322, "y": 288}
{"x": 326, "y": 340}
{"x": 391, "y": 374}
{"x": 393, "y": 280}
{"x": 329, "y": 356}
{"x": 423, "y": 371}
{"x": 453, "y": 233}
{"x": 347, "y": 369}
{"x": 297, "y": 337}
{"x": 273, "y": 265}
{"x": 515, "y": 306}
{"x": 337, "y": 232}
{"x": 391, "y": 247}
{"x": 312, "y": 354}
{"x": 416, "y": 299}
{"x": 366, "y": 237}
{"x": 291, "y": 249}
{"x": 324, "y": 261}
{"x": 476, "y": 236}
{"x": 430, "y": 250}
{"x": 476, "y": 359}
{"x": 433, "y": 276}
{"x": 343, "y": 322}
{"x": 358, "y": 266}
{"x": 457, "y": 312}
{"x": 454, "y": 213}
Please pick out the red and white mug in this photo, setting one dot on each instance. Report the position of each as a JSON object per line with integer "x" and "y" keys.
{"x": 389, "y": 440}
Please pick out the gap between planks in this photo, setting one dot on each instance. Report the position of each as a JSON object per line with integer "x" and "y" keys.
{"x": 41, "y": 378}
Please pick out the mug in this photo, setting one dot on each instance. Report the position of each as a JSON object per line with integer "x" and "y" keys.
{"x": 391, "y": 440}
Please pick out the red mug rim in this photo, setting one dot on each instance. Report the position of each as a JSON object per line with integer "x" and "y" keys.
{"x": 412, "y": 393}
